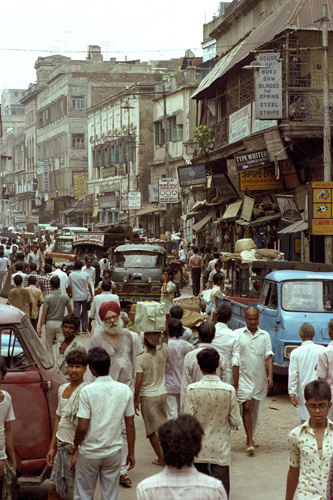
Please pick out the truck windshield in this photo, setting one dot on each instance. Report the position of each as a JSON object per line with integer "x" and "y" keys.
{"x": 65, "y": 246}
{"x": 141, "y": 259}
{"x": 306, "y": 295}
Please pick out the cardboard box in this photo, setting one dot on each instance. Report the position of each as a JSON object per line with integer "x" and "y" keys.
{"x": 149, "y": 317}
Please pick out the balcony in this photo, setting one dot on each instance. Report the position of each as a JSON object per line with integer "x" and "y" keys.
{"x": 30, "y": 187}
{"x": 306, "y": 104}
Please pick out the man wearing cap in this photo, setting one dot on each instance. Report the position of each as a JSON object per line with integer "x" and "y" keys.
{"x": 118, "y": 343}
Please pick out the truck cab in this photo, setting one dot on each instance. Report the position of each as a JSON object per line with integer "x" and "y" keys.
{"x": 137, "y": 272}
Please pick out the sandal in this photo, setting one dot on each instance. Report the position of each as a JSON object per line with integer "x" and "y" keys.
{"x": 156, "y": 462}
{"x": 124, "y": 480}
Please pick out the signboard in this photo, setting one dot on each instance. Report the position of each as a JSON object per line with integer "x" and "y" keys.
{"x": 153, "y": 193}
{"x": 86, "y": 238}
{"x": 231, "y": 167}
{"x": 240, "y": 124}
{"x": 260, "y": 179}
{"x": 275, "y": 146}
{"x": 124, "y": 201}
{"x": 46, "y": 178}
{"x": 108, "y": 201}
{"x": 168, "y": 190}
{"x": 121, "y": 169}
{"x": 247, "y": 209}
{"x": 26, "y": 218}
{"x": 226, "y": 190}
{"x": 79, "y": 183}
{"x": 49, "y": 205}
{"x": 134, "y": 200}
{"x": 321, "y": 208}
{"x": 109, "y": 172}
{"x": 255, "y": 159}
{"x": 190, "y": 175}
{"x": 289, "y": 173}
{"x": 268, "y": 86}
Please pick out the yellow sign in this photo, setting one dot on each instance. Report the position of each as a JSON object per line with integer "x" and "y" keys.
{"x": 322, "y": 208}
{"x": 49, "y": 205}
{"x": 258, "y": 179}
{"x": 80, "y": 185}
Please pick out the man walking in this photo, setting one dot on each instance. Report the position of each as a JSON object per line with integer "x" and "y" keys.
{"x": 214, "y": 404}
{"x": 78, "y": 283}
{"x": 37, "y": 300}
{"x": 20, "y": 297}
{"x": 226, "y": 342}
{"x": 180, "y": 442}
{"x": 53, "y": 313}
{"x": 191, "y": 371}
{"x": 302, "y": 369}
{"x": 62, "y": 477}
{"x": 325, "y": 363}
{"x": 195, "y": 264}
{"x": 103, "y": 405}
{"x": 118, "y": 343}
{"x": 62, "y": 275}
{"x": 256, "y": 372}
{"x": 4, "y": 266}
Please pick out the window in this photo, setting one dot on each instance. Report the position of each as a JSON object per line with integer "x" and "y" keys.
{"x": 308, "y": 295}
{"x": 269, "y": 296}
{"x": 12, "y": 350}
{"x": 78, "y": 141}
{"x": 113, "y": 154}
{"x": 100, "y": 158}
{"x": 159, "y": 133}
{"x": 16, "y": 94}
{"x": 78, "y": 102}
{"x": 106, "y": 156}
{"x": 128, "y": 152}
{"x": 120, "y": 153}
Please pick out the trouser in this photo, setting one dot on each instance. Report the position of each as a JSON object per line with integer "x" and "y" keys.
{"x": 87, "y": 471}
{"x": 34, "y": 322}
{"x": 3, "y": 276}
{"x": 81, "y": 310}
{"x": 124, "y": 448}
{"x": 196, "y": 273}
{"x": 220, "y": 472}
{"x": 53, "y": 332}
{"x": 172, "y": 405}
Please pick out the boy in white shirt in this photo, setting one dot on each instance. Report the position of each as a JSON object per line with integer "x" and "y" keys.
{"x": 216, "y": 291}
{"x": 7, "y": 464}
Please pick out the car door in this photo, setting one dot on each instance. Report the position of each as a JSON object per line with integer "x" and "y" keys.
{"x": 32, "y": 427}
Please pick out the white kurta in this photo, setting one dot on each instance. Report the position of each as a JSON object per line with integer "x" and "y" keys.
{"x": 302, "y": 370}
{"x": 254, "y": 350}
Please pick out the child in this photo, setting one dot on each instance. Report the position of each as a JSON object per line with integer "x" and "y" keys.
{"x": 311, "y": 445}
{"x": 59, "y": 456}
{"x": 7, "y": 466}
{"x": 216, "y": 291}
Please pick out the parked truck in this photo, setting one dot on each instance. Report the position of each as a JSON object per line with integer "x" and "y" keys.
{"x": 287, "y": 299}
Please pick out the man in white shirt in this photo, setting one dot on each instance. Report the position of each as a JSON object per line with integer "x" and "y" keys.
{"x": 325, "y": 364}
{"x": 78, "y": 283}
{"x": 19, "y": 272}
{"x": 192, "y": 372}
{"x": 302, "y": 368}
{"x": 4, "y": 265}
{"x": 62, "y": 276}
{"x": 226, "y": 342}
{"x": 105, "y": 296}
{"x": 103, "y": 405}
{"x": 216, "y": 292}
{"x": 91, "y": 271}
{"x": 256, "y": 372}
{"x": 214, "y": 404}
{"x": 180, "y": 442}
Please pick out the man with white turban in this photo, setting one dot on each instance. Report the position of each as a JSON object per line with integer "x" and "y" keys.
{"x": 118, "y": 343}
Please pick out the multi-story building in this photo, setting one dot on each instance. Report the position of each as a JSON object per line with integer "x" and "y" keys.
{"x": 120, "y": 151}
{"x": 271, "y": 45}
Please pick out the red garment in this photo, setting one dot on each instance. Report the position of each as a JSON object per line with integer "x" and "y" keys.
{"x": 108, "y": 306}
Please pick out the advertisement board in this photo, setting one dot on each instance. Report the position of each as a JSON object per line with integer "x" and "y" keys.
{"x": 134, "y": 200}
{"x": 168, "y": 190}
{"x": 124, "y": 202}
{"x": 260, "y": 179}
{"x": 190, "y": 175}
{"x": 153, "y": 193}
{"x": 251, "y": 160}
{"x": 46, "y": 178}
{"x": 268, "y": 86}
{"x": 49, "y": 205}
{"x": 79, "y": 183}
{"x": 82, "y": 238}
{"x": 321, "y": 208}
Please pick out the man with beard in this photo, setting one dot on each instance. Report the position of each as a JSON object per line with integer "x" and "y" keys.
{"x": 118, "y": 343}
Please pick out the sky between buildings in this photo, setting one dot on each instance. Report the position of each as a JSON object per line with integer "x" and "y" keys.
{"x": 139, "y": 30}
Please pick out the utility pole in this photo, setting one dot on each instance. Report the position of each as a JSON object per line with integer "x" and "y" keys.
{"x": 327, "y": 122}
{"x": 166, "y": 156}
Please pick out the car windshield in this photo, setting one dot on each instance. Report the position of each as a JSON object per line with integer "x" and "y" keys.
{"x": 34, "y": 344}
{"x": 93, "y": 253}
{"x": 65, "y": 246}
{"x": 306, "y": 295}
{"x": 137, "y": 259}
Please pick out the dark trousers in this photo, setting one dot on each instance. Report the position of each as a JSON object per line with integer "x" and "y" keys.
{"x": 220, "y": 472}
{"x": 81, "y": 310}
{"x": 196, "y": 274}
{"x": 34, "y": 323}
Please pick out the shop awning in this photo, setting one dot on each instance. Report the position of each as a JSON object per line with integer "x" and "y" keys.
{"x": 197, "y": 204}
{"x": 149, "y": 210}
{"x": 84, "y": 204}
{"x": 297, "y": 227}
{"x": 189, "y": 215}
{"x": 232, "y": 210}
{"x": 199, "y": 225}
{"x": 262, "y": 220}
{"x": 95, "y": 212}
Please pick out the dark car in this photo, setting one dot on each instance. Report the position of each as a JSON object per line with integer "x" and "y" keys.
{"x": 33, "y": 382}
